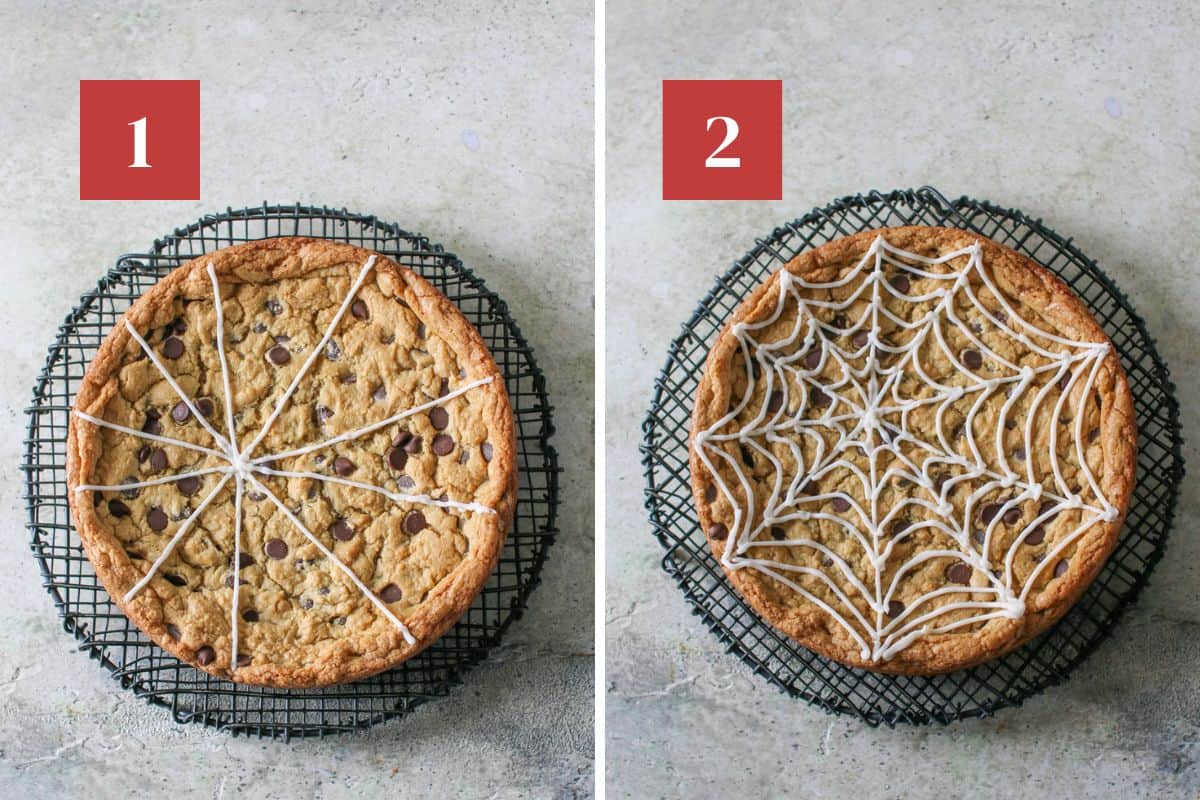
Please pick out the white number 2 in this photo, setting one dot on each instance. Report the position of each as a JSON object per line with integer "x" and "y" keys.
{"x": 139, "y": 143}
{"x": 731, "y": 133}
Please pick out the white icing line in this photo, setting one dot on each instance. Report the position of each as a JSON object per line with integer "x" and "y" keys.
{"x": 155, "y": 482}
{"x": 219, "y": 304}
{"x": 148, "y": 436}
{"x": 396, "y": 497}
{"x": 354, "y": 434}
{"x": 237, "y": 569}
{"x": 183, "y": 529}
{"x": 313, "y": 356}
{"x": 408, "y": 637}
{"x": 1007, "y": 488}
{"x": 218, "y": 438}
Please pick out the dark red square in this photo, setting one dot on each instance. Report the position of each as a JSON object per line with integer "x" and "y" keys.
{"x": 109, "y": 132}
{"x": 696, "y": 123}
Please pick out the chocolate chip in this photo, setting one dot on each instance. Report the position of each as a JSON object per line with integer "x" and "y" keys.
{"x": 205, "y": 656}
{"x": 1009, "y": 424}
{"x": 188, "y": 486}
{"x": 485, "y": 450}
{"x": 118, "y": 509}
{"x": 840, "y": 504}
{"x": 306, "y": 602}
{"x": 397, "y": 458}
{"x": 173, "y": 632}
{"x": 959, "y": 573}
{"x": 152, "y": 425}
{"x": 972, "y": 359}
{"x": 442, "y": 445}
{"x": 390, "y": 593}
{"x": 205, "y": 406}
{"x": 444, "y": 387}
{"x": 1093, "y": 435}
{"x": 939, "y": 482}
{"x": 900, "y": 284}
{"x": 143, "y": 453}
{"x": 229, "y": 581}
{"x": 380, "y": 394}
{"x": 277, "y": 549}
{"x": 899, "y": 526}
{"x": 1060, "y": 568}
{"x": 324, "y": 590}
{"x": 342, "y": 531}
{"x": 349, "y": 378}
{"x": 259, "y": 327}
{"x": 860, "y": 339}
{"x": 343, "y": 466}
{"x": 250, "y": 615}
{"x": 405, "y": 482}
{"x": 1063, "y": 381}
{"x": 421, "y": 330}
{"x": 245, "y": 560}
{"x": 439, "y": 418}
{"x": 818, "y": 398}
{"x": 718, "y": 531}
{"x": 747, "y": 456}
{"x": 1036, "y": 536}
{"x": 158, "y": 459}
{"x": 977, "y": 536}
{"x": 1012, "y": 516}
{"x": 464, "y": 456}
{"x": 1046, "y": 506}
{"x": 812, "y": 360}
{"x": 414, "y": 522}
{"x": 387, "y": 338}
{"x": 275, "y": 307}
{"x": 895, "y": 608}
{"x": 130, "y": 494}
{"x": 173, "y": 347}
{"x": 359, "y": 309}
{"x": 322, "y": 413}
{"x": 402, "y": 438}
{"x": 180, "y": 413}
{"x": 775, "y": 402}
{"x": 1019, "y": 454}
{"x": 1001, "y": 316}
{"x": 175, "y": 580}
{"x": 777, "y": 533}
{"x": 279, "y": 355}
{"x": 243, "y": 661}
{"x": 339, "y": 620}
{"x": 156, "y": 518}
{"x": 179, "y": 326}
{"x": 989, "y": 512}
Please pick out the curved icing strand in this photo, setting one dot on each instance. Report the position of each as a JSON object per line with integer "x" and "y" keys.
{"x": 881, "y": 419}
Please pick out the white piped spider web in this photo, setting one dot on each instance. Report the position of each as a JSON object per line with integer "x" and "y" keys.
{"x": 825, "y": 389}
{"x": 244, "y": 468}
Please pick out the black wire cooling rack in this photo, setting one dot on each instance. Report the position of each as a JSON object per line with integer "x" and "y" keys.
{"x": 882, "y": 699}
{"x": 192, "y": 695}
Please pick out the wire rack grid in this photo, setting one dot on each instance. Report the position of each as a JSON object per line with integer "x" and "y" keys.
{"x": 882, "y": 699}
{"x": 192, "y": 695}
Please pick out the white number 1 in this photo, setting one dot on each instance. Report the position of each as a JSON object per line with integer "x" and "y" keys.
{"x": 139, "y": 143}
{"x": 731, "y": 133}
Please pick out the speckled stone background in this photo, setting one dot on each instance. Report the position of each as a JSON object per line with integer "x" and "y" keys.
{"x": 430, "y": 114}
{"x": 1085, "y": 115}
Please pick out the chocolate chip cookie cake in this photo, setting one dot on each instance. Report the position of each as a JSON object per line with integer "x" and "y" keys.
{"x": 912, "y": 449}
{"x": 292, "y": 463}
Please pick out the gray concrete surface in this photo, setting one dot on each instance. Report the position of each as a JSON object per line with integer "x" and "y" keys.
{"x": 431, "y": 114}
{"x": 1086, "y": 115}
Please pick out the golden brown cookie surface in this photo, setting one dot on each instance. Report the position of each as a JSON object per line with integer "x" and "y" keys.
{"x": 374, "y": 452}
{"x": 912, "y": 449}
